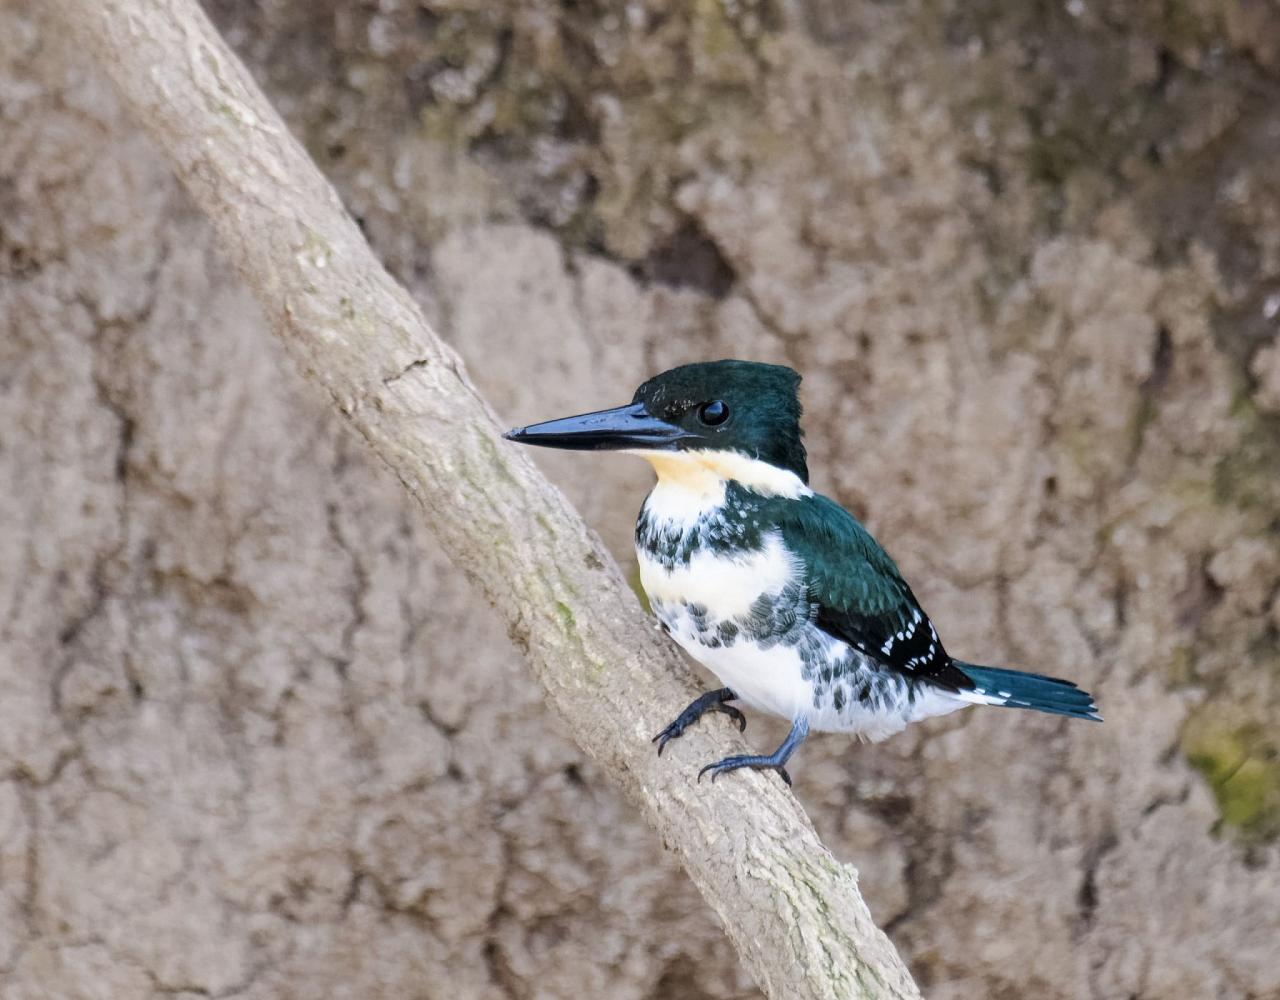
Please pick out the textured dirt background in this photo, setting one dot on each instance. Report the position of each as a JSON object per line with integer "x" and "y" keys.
{"x": 257, "y": 739}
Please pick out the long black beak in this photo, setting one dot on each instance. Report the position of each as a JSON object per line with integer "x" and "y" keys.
{"x": 628, "y": 426}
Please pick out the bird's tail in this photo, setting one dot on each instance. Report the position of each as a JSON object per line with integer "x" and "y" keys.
{"x": 1014, "y": 689}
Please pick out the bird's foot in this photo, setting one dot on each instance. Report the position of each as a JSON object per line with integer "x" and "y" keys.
{"x": 712, "y": 701}
{"x": 745, "y": 760}
{"x": 776, "y": 761}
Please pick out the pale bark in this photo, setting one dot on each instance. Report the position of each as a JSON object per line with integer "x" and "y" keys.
{"x": 792, "y": 910}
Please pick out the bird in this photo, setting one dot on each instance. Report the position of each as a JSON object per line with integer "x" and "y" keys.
{"x": 777, "y": 590}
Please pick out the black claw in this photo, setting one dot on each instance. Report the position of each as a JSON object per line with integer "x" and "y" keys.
{"x": 664, "y": 737}
{"x": 712, "y": 701}
{"x": 734, "y": 713}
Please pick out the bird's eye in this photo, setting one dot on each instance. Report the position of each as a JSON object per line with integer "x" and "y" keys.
{"x": 714, "y": 413}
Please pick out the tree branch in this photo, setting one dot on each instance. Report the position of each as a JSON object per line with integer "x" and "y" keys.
{"x": 793, "y": 912}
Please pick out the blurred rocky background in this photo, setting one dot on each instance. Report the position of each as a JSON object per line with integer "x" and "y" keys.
{"x": 258, "y": 740}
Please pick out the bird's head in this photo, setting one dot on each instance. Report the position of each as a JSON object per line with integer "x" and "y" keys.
{"x": 710, "y": 410}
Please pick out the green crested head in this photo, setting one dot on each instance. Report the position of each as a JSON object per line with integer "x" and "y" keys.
{"x": 740, "y": 407}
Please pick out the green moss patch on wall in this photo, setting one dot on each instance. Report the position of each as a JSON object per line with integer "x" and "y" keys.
{"x": 1241, "y": 763}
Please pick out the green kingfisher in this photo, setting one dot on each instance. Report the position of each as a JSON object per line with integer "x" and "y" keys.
{"x": 777, "y": 590}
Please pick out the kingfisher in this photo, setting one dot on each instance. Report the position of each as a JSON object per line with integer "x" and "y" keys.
{"x": 777, "y": 590}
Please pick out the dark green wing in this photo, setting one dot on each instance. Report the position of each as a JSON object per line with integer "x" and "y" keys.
{"x": 860, "y": 596}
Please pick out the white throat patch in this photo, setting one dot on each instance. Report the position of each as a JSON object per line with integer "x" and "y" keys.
{"x": 694, "y": 481}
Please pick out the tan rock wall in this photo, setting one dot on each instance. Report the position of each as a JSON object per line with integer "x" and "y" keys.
{"x": 257, "y": 739}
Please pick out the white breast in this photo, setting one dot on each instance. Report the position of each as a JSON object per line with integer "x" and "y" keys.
{"x": 768, "y": 680}
{"x": 725, "y": 584}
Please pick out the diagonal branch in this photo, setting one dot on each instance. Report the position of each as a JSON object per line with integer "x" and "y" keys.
{"x": 793, "y": 912}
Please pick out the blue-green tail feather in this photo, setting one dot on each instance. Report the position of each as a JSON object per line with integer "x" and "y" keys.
{"x": 1015, "y": 689}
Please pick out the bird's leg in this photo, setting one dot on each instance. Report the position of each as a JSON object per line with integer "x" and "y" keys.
{"x": 775, "y": 760}
{"x": 712, "y": 701}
